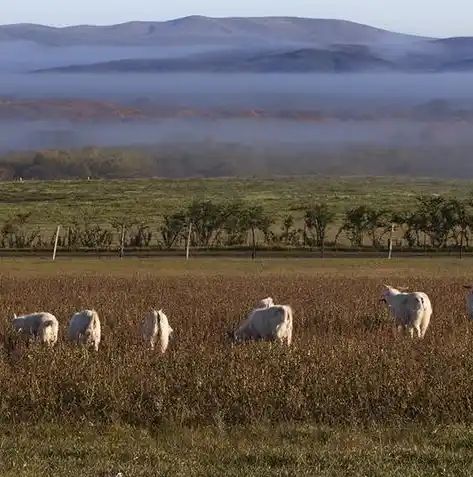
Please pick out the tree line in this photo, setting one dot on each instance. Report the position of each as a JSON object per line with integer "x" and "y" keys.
{"x": 435, "y": 222}
{"x": 207, "y": 159}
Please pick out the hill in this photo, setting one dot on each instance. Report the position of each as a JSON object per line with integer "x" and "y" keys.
{"x": 233, "y": 44}
{"x": 334, "y": 59}
{"x": 344, "y": 58}
{"x": 207, "y": 30}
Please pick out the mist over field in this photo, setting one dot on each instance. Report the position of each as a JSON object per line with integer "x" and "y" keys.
{"x": 292, "y": 135}
{"x": 323, "y": 93}
{"x": 300, "y": 85}
{"x": 301, "y": 91}
{"x": 24, "y": 56}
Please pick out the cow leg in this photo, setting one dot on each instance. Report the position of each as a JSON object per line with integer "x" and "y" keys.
{"x": 289, "y": 336}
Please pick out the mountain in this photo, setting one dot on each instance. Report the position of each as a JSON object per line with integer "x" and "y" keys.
{"x": 465, "y": 65}
{"x": 205, "y": 44}
{"x": 439, "y": 55}
{"x": 456, "y": 43}
{"x": 206, "y": 30}
{"x": 346, "y": 58}
{"x": 332, "y": 59}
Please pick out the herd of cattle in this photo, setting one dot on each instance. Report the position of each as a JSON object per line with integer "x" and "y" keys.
{"x": 411, "y": 311}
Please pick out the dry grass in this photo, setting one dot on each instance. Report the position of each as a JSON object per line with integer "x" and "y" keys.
{"x": 347, "y": 399}
{"x": 345, "y": 367}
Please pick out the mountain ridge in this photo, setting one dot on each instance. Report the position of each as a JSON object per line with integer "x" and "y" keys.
{"x": 298, "y": 29}
{"x": 301, "y": 60}
{"x": 337, "y": 59}
{"x": 230, "y": 44}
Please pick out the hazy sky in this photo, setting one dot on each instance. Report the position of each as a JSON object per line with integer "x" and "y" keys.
{"x": 425, "y": 17}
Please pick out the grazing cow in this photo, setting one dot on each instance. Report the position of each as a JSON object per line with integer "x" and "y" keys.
{"x": 273, "y": 323}
{"x": 265, "y": 303}
{"x": 40, "y": 325}
{"x": 84, "y": 328}
{"x": 410, "y": 310}
{"x": 469, "y": 301}
{"x": 156, "y": 323}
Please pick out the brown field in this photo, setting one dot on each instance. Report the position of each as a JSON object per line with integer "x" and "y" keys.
{"x": 345, "y": 370}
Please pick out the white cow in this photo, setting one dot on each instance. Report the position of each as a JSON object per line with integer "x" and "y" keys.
{"x": 156, "y": 323}
{"x": 273, "y": 323}
{"x": 265, "y": 303}
{"x": 84, "y": 328}
{"x": 40, "y": 325}
{"x": 469, "y": 301}
{"x": 410, "y": 310}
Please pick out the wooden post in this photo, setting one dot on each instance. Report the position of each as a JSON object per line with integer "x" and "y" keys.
{"x": 390, "y": 245}
{"x": 253, "y": 243}
{"x": 188, "y": 244}
{"x": 122, "y": 243}
{"x": 55, "y": 242}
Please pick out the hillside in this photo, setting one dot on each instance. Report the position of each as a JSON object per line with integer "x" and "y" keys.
{"x": 207, "y": 30}
{"x": 302, "y": 60}
{"x": 465, "y": 65}
{"x": 441, "y": 56}
{"x": 337, "y": 59}
{"x": 205, "y": 44}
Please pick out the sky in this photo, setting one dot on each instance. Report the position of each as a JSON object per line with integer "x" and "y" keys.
{"x": 424, "y": 17}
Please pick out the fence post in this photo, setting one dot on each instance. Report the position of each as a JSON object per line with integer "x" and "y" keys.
{"x": 253, "y": 243}
{"x": 122, "y": 242}
{"x": 56, "y": 241}
{"x": 188, "y": 244}
{"x": 391, "y": 242}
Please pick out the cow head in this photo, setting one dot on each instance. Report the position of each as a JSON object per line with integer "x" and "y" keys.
{"x": 390, "y": 292}
{"x": 386, "y": 293}
{"x": 265, "y": 303}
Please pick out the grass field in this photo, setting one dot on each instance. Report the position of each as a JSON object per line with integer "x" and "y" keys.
{"x": 348, "y": 399}
{"x": 60, "y": 202}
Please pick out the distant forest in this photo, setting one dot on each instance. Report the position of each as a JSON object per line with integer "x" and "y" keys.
{"x": 233, "y": 160}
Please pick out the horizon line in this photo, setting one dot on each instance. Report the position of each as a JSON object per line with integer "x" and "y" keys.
{"x": 99, "y": 25}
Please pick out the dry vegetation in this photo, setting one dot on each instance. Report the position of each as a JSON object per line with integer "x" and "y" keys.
{"x": 345, "y": 370}
{"x": 345, "y": 367}
{"x": 439, "y": 113}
